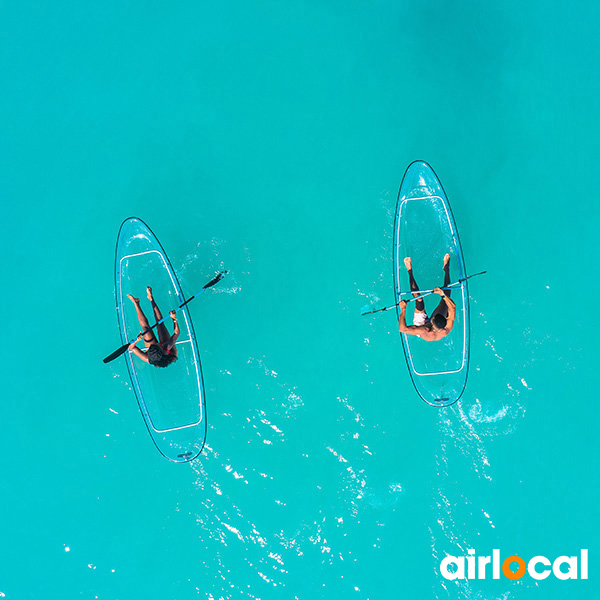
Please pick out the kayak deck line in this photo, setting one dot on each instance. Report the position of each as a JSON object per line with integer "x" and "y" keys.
{"x": 162, "y": 259}
{"x": 177, "y": 343}
{"x": 462, "y": 366}
{"x": 460, "y": 286}
{"x": 195, "y": 361}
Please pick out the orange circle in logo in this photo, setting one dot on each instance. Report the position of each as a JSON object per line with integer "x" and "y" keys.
{"x": 514, "y": 574}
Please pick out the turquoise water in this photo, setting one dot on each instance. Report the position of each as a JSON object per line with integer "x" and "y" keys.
{"x": 270, "y": 139}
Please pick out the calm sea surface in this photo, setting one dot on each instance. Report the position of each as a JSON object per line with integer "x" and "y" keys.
{"x": 270, "y": 139}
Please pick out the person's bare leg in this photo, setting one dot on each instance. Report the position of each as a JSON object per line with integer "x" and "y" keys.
{"x": 149, "y": 337}
{"x": 447, "y": 273}
{"x": 442, "y": 307}
{"x": 419, "y": 304}
{"x": 163, "y": 334}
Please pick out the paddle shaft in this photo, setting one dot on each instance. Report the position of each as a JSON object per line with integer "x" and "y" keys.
{"x": 424, "y": 293}
{"x": 209, "y": 284}
{"x": 448, "y": 287}
{"x": 124, "y": 347}
{"x": 175, "y": 310}
{"x": 178, "y": 308}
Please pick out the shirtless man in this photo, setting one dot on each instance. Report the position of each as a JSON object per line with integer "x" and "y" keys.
{"x": 439, "y": 325}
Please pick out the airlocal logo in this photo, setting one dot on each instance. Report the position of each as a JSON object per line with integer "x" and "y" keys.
{"x": 539, "y": 567}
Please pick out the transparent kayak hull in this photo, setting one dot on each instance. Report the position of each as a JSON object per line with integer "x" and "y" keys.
{"x": 424, "y": 229}
{"x": 171, "y": 399}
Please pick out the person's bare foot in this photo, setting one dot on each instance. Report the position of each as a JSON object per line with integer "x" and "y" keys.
{"x": 134, "y": 300}
{"x": 446, "y": 260}
{"x": 408, "y": 263}
{"x": 149, "y": 293}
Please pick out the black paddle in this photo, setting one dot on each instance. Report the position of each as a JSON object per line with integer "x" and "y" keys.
{"x": 424, "y": 293}
{"x": 124, "y": 347}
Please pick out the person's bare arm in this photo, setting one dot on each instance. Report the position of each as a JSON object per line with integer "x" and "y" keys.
{"x": 133, "y": 348}
{"x": 451, "y": 309}
{"x": 451, "y": 313}
{"x": 175, "y": 335}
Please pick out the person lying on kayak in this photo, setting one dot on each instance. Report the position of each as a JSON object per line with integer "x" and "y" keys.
{"x": 161, "y": 352}
{"x": 439, "y": 325}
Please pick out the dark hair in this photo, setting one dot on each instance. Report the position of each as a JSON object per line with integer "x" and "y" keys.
{"x": 439, "y": 321}
{"x": 158, "y": 357}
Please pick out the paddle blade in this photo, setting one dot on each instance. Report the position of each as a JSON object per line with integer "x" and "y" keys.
{"x": 218, "y": 278}
{"x": 116, "y": 353}
{"x": 469, "y": 277}
{"x": 371, "y": 312}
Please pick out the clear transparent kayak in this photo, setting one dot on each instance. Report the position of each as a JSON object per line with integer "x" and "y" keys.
{"x": 171, "y": 399}
{"x": 424, "y": 229}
